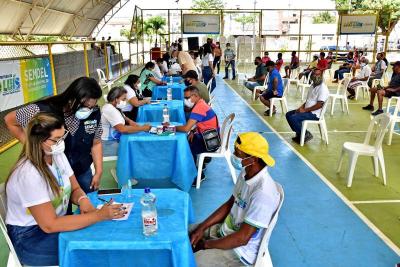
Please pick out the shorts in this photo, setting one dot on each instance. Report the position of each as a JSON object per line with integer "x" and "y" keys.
{"x": 389, "y": 94}
{"x": 268, "y": 94}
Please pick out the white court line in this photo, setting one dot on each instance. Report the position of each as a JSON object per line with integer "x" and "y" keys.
{"x": 376, "y": 201}
{"x": 375, "y": 229}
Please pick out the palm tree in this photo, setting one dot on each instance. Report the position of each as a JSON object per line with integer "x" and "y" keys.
{"x": 155, "y": 24}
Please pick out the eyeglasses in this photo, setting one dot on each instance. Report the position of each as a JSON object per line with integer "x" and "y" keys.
{"x": 57, "y": 142}
{"x": 187, "y": 97}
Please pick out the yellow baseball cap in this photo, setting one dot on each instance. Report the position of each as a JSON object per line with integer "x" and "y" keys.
{"x": 254, "y": 144}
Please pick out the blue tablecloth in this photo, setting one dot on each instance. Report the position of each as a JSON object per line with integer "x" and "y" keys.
{"x": 122, "y": 243}
{"x": 150, "y": 156}
{"x": 153, "y": 112}
{"x": 176, "y": 79}
{"x": 160, "y": 91}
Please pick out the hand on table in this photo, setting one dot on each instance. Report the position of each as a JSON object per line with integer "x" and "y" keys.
{"x": 111, "y": 211}
{"x": 199, "y": 246}
{"x": 146, "y": 127}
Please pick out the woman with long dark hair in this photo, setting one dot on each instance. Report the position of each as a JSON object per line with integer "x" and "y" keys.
{"x": 207, "y": 66}
{"x": 133, "y": 96}
{"x": 39, "y": 189}
{"x": 147, "y": 79}
{"x": 77, "y": 106}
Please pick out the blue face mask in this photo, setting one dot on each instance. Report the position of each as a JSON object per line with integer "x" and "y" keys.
{"x": 83, "y": 113}
{"x": 237, "y": 162}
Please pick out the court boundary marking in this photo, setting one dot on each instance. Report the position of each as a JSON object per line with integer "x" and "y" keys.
{"x": 383, "y": 201}
{"x": 363, "y": 218}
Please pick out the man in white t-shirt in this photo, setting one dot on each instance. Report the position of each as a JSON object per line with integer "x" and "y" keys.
{"x": 361, "y": 78}
{"x": 232, "y": 235}
{"x": 311, "y": 110}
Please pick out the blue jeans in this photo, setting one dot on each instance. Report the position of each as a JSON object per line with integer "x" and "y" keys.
{"x": 295, "y": 120}
{"x": 251, "y": 85}
{"x": 232, "y": 64}
{"x": 110, "y": 148}
{"x": 207, "y": 75}
{"x": 33, "y": 246}
{"x": 339, "y": 73}
{"x": 85, "y": 179}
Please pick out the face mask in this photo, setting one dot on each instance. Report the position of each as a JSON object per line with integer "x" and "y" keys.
{"x": 121, "y": 104}
{"x": 83, "y": 113}
{"x": 363, "y": 64}
{"x": 56, "y": 149}
{"x": 237, "y": 162}
{"x": 256, "y": 63}
{"x": 187, "y": 83}
{"x": 188, "y": 103}
{"x": 317, "y": 80}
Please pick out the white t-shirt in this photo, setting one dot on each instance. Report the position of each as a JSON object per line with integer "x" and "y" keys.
{"x": 111, "y": 116}
{"x": 175, "y": 68}
{"x": 205, "y": 61}
{"x": 130, "y": 93}
{"x": 315, "y": 94}
{"x": 157, "y": 72}
{"x": 364, "y": 72}
{"x": 164, "y": 67}
{"x": 256, "y": 200}
{"x": 27, "y": 188}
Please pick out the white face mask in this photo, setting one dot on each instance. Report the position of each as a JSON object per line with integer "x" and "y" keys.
{"x": 56, "y": 149}
{"x": 121, "y": 104}
{"x": 363, "y": 64}
{"x": 188, "y": 103}
{"x": 83, "y": 113}
{"x": 237, "y": 162}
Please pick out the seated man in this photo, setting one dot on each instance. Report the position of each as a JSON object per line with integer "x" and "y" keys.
{"x": 312, "y": 66}
{"x": 275, "y": 87}
{"x": 378, "y": 69}
{"x": 294, "y": 64}
{"x": 361, "y": 77}
{"x": 231, "y": 236}
{"x": 259, "y": 77}
{"x": 192, "y": 78}
{"x": 393, "y": 89}
{"x": 311, "y": 109}
{"x": 323, "y": 63}
{"x": 201, "y": 118}
{"x": 345, "y": 68}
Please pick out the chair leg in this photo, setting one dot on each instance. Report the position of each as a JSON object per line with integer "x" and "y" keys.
{"x": 340, "y": 161}
{"x": 342, "y": 104}
{"x": 347, "y": 106}
{"x": 199, "y": 170}
{"x": 285, "y": 105}
{"x": 382, "y": 163}
{"x": 357, "y": 90}
{"x": 303, "y": 133}
{"x": 352, "y": 165}
{"x": 320, "y": 132}
{"x": 333, "y": 105}
{"x": 391, "y": 130}
{"x": 231, "y": 168}
{"x": 375, "y": 161}
{"x": 271, "y": 106}
{"x": 325, "y": 131}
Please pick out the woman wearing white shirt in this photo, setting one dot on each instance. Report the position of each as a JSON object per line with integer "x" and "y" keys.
{"x": 39, "y": 188}
{"x": 133, "y": 96}
{"x": 207, "y": 66}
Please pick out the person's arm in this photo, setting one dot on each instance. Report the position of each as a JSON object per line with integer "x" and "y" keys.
{"x": 217, "y": 216}
{"x": 301, "y": 108}
{"x": 275, "y": 86}
{"x": 78, "y": 197}
{"x": 186, "y": 128}
{"x": 317, "y": 106}
{"x": 47, "y": 219}
{"x": 97, "y": 155}
{"x": 210, "y": 63}
{"x": 260, "y": 78}
{"x": 14, "y": 127}
{"x": 132, "y": 129}
{"x": 156, "y": 81}
{"x": 134, "y": 101}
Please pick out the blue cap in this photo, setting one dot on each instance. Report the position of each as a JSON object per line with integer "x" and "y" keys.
{"x": 147, "y": 190}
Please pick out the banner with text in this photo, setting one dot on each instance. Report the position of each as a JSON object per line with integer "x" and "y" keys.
{"x": 10, "y": 85}
{"x": 36, "y": 78}
{"x": 201, "y": 23}
{"x": 357, "y": 24}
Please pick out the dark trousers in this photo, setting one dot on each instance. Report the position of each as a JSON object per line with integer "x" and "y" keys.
{"x": 197, "y": 146}
{"x": 232, "y": 64}
{"x": 339, "y": 73}
{"x": 295, "y": 120}
{"x": 217, "y": 62}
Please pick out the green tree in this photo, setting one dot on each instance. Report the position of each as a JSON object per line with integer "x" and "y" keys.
{"x": 125, "y": 33}
{"x": 388, "y": 11}
{"x": 246, "y": 20}
{"x": 324, "y": 17}
{"x": 200, "y": 5}
{"x": 155, "y": 25}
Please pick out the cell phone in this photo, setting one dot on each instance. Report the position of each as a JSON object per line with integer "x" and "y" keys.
{"x": 110, "y": 191}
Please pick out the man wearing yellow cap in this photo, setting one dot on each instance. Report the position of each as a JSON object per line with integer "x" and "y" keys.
{"x": 232, "y": 235}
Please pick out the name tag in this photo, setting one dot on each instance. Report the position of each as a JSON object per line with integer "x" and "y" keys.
{"x": 90, "y": 126}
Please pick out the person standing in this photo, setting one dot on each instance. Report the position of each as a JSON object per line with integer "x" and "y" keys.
{"x": 185, "y": 61}
{"x": 207, "y": 66}
{"x": 217, "y": 56}
{"x": 77, "y": 105}
{"x": 229, "y": 55}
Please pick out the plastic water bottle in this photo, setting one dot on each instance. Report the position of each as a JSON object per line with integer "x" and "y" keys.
{"x": 149, "y": 213}
{"x": 165, "y": 114}
{"x": 171, "y": 80}
{"x": 169, "y": 93}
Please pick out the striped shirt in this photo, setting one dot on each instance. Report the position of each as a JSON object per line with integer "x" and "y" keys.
{"x": 204, "y": 116}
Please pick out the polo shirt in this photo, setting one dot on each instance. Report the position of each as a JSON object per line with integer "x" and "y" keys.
{"x": 204, "y": 116}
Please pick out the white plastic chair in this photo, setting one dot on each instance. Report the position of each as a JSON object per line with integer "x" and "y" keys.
{"x": 365, "y": 149}
{"x": 13, "y": 260}
{"x": 223, "y": 152}
{"x": 321, "y": 125}
{"x": 293, "y": 77}
{"x": 347, "y": 75}
{"x": 305, "y": 84}
{"x": 260, "y": 87}
{"x": 394, "y": 118}
{"x": 103, "y": 80}
{"x": 364, "y": 87}
{"x": 282, "y": 99}
{"x": 209, "y": 84}
{"x": 263, "y": 256}
{"x": 199, "y": 73}
{"x": 341, "y": 93}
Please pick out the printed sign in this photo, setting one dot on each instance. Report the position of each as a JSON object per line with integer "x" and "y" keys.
{"x": 36, "y": 78}
{"x": 357, "y": 24}
{"x": 11, "y": 94}
{"x": 200, "y": 23}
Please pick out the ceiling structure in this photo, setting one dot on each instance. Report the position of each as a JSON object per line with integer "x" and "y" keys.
{"x": 66, "y": 18}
